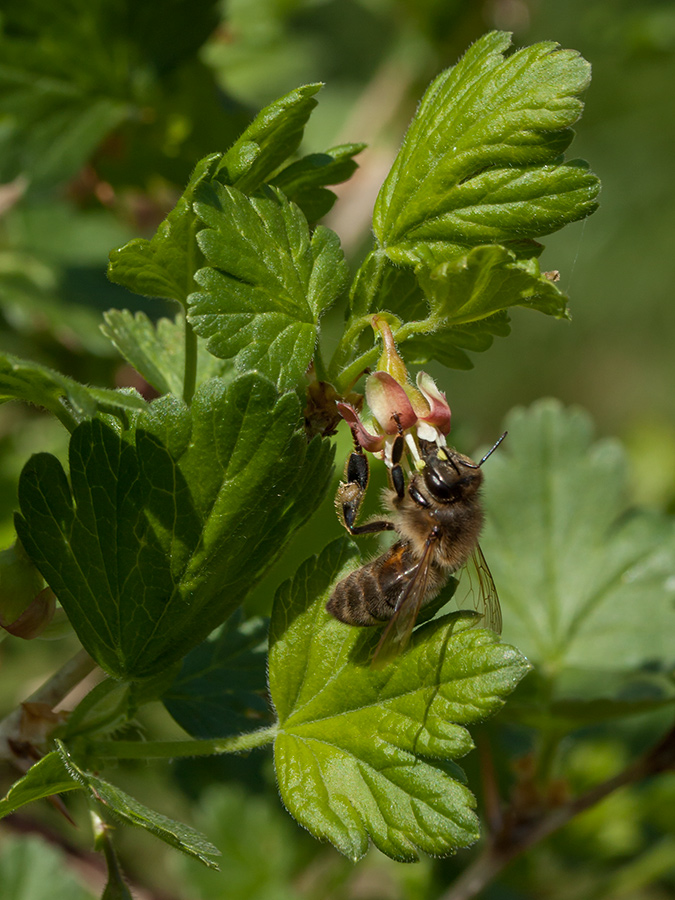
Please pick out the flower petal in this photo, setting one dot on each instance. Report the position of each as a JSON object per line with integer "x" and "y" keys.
{"x": 371, "y": 442}
{"x": 439, "y": 410}
{"x": 388, "y": 402}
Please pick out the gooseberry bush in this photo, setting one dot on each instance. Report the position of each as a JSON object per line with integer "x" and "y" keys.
{"x": 171, "y": 510}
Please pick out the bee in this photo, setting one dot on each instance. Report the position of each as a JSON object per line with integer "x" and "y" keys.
{"x": 438, "y": 518}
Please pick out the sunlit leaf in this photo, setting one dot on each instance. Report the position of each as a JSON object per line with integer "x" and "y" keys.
{"x": 481, "y": 162}
{"x": 268, "y": 282}
{"x": 367, "y": 753}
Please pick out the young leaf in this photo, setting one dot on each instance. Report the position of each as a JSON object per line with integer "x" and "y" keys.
{"x": 362, "y": 752}
{"x": 162, "y": 531}
{"x": 130, "y": 811}
{"x": 157, "y": 350}
{"x": 164, "y": 266}
{"x": 486, "y": 281}
{"x": 304, "y": 182}
{"x": 223, "y": 681}
{"x": 272, "y": 137}
{"x": 34, "y": 383}
{"x": 586, "y": 585}
{"x": 468, "y": 298}
{"x": 268, "y": 284}
{"x": 45, "y": 778}
{"x": 447, "y": 345}
{"x": 481, "y": 160}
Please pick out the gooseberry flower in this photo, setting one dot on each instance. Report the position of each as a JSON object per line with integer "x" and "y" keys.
{"x": 398, "y": 407}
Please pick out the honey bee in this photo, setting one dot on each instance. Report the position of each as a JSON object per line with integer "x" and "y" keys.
{"x": 438, "y": 519}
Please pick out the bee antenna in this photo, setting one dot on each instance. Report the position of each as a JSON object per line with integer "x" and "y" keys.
{"x": 492, "y": 449}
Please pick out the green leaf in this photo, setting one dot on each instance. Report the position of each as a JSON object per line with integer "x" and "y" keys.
{"x": 45, "y": 778}
{"x": 486, "y": 281}
{"x": 34, "y": 383}
{"x": 272, "y": 137}
{"x": 164, "y": 266}
{"x": 33, "y": 869}
{"x": 130, "y": 811}
{"x": 586, "y": 583}
{"x": 481, "y": 162}
{"x": 162, "y": 531}
{"x": 269, "y": 282}
{"x": 366, "y": 753}
{"x": 223, "y": 682}
{"x": 467, "y": 300}
{"x": 304, "y": 181}
{"x": 157, "y": 350}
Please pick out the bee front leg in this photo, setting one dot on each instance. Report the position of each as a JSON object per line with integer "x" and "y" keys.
{"x": 351, "y": 492}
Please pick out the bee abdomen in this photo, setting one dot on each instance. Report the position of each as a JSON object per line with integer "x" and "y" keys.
{"x": 369, "y": 595}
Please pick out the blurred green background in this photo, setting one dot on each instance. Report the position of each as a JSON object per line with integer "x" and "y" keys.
{"x": 106, "y": 105}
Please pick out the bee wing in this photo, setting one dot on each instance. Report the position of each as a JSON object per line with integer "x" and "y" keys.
{"x": 483, "y": 592}
{"x": 399, "y": 628}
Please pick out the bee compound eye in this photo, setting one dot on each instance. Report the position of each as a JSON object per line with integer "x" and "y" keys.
{"x": 436, "y": 484}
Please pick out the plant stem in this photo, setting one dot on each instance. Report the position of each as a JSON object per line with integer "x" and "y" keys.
{"x": 190, "y": 371}
{"x": 175, "y": 749}
{"x": 352, "y": 372}
{"x": 319, "y": 365}
{"x": 65, "y": 417}
{"x": 58, "y": 686}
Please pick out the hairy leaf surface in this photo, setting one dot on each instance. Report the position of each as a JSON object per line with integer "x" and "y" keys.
{"x": 267, "y": 284}
{"x": 481, "y": 162}
{"x": 364, "y": 753}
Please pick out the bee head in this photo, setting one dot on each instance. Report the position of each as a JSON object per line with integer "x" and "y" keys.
{"x": 450, "y": 476}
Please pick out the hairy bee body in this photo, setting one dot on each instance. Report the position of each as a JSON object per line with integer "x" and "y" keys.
{"x": 438, "y": 520}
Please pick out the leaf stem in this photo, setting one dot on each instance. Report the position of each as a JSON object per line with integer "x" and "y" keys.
{"x": 349, "y": 375}
{"x": 190, "y": 372}
{"x": 65, "y": 417}
{"x": 319, "y": 365}
{"x": 175, "y": 749}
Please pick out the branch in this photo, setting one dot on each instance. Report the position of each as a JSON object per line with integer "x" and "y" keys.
{"x": 58, "y": 686}
{"x": 521, "y": 831}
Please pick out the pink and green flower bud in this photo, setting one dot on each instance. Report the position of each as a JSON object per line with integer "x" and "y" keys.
{"x": 398, "y": 407}
{"x": 390, "y": 361}
{"x": 389, "y": 403}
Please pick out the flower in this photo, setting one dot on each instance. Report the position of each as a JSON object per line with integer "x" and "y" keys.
{"x": 398, "y": 408}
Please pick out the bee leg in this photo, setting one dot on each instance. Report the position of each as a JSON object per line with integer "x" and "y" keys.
{"x": 351, "y": 492}
{"x": 396, "y": 476}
